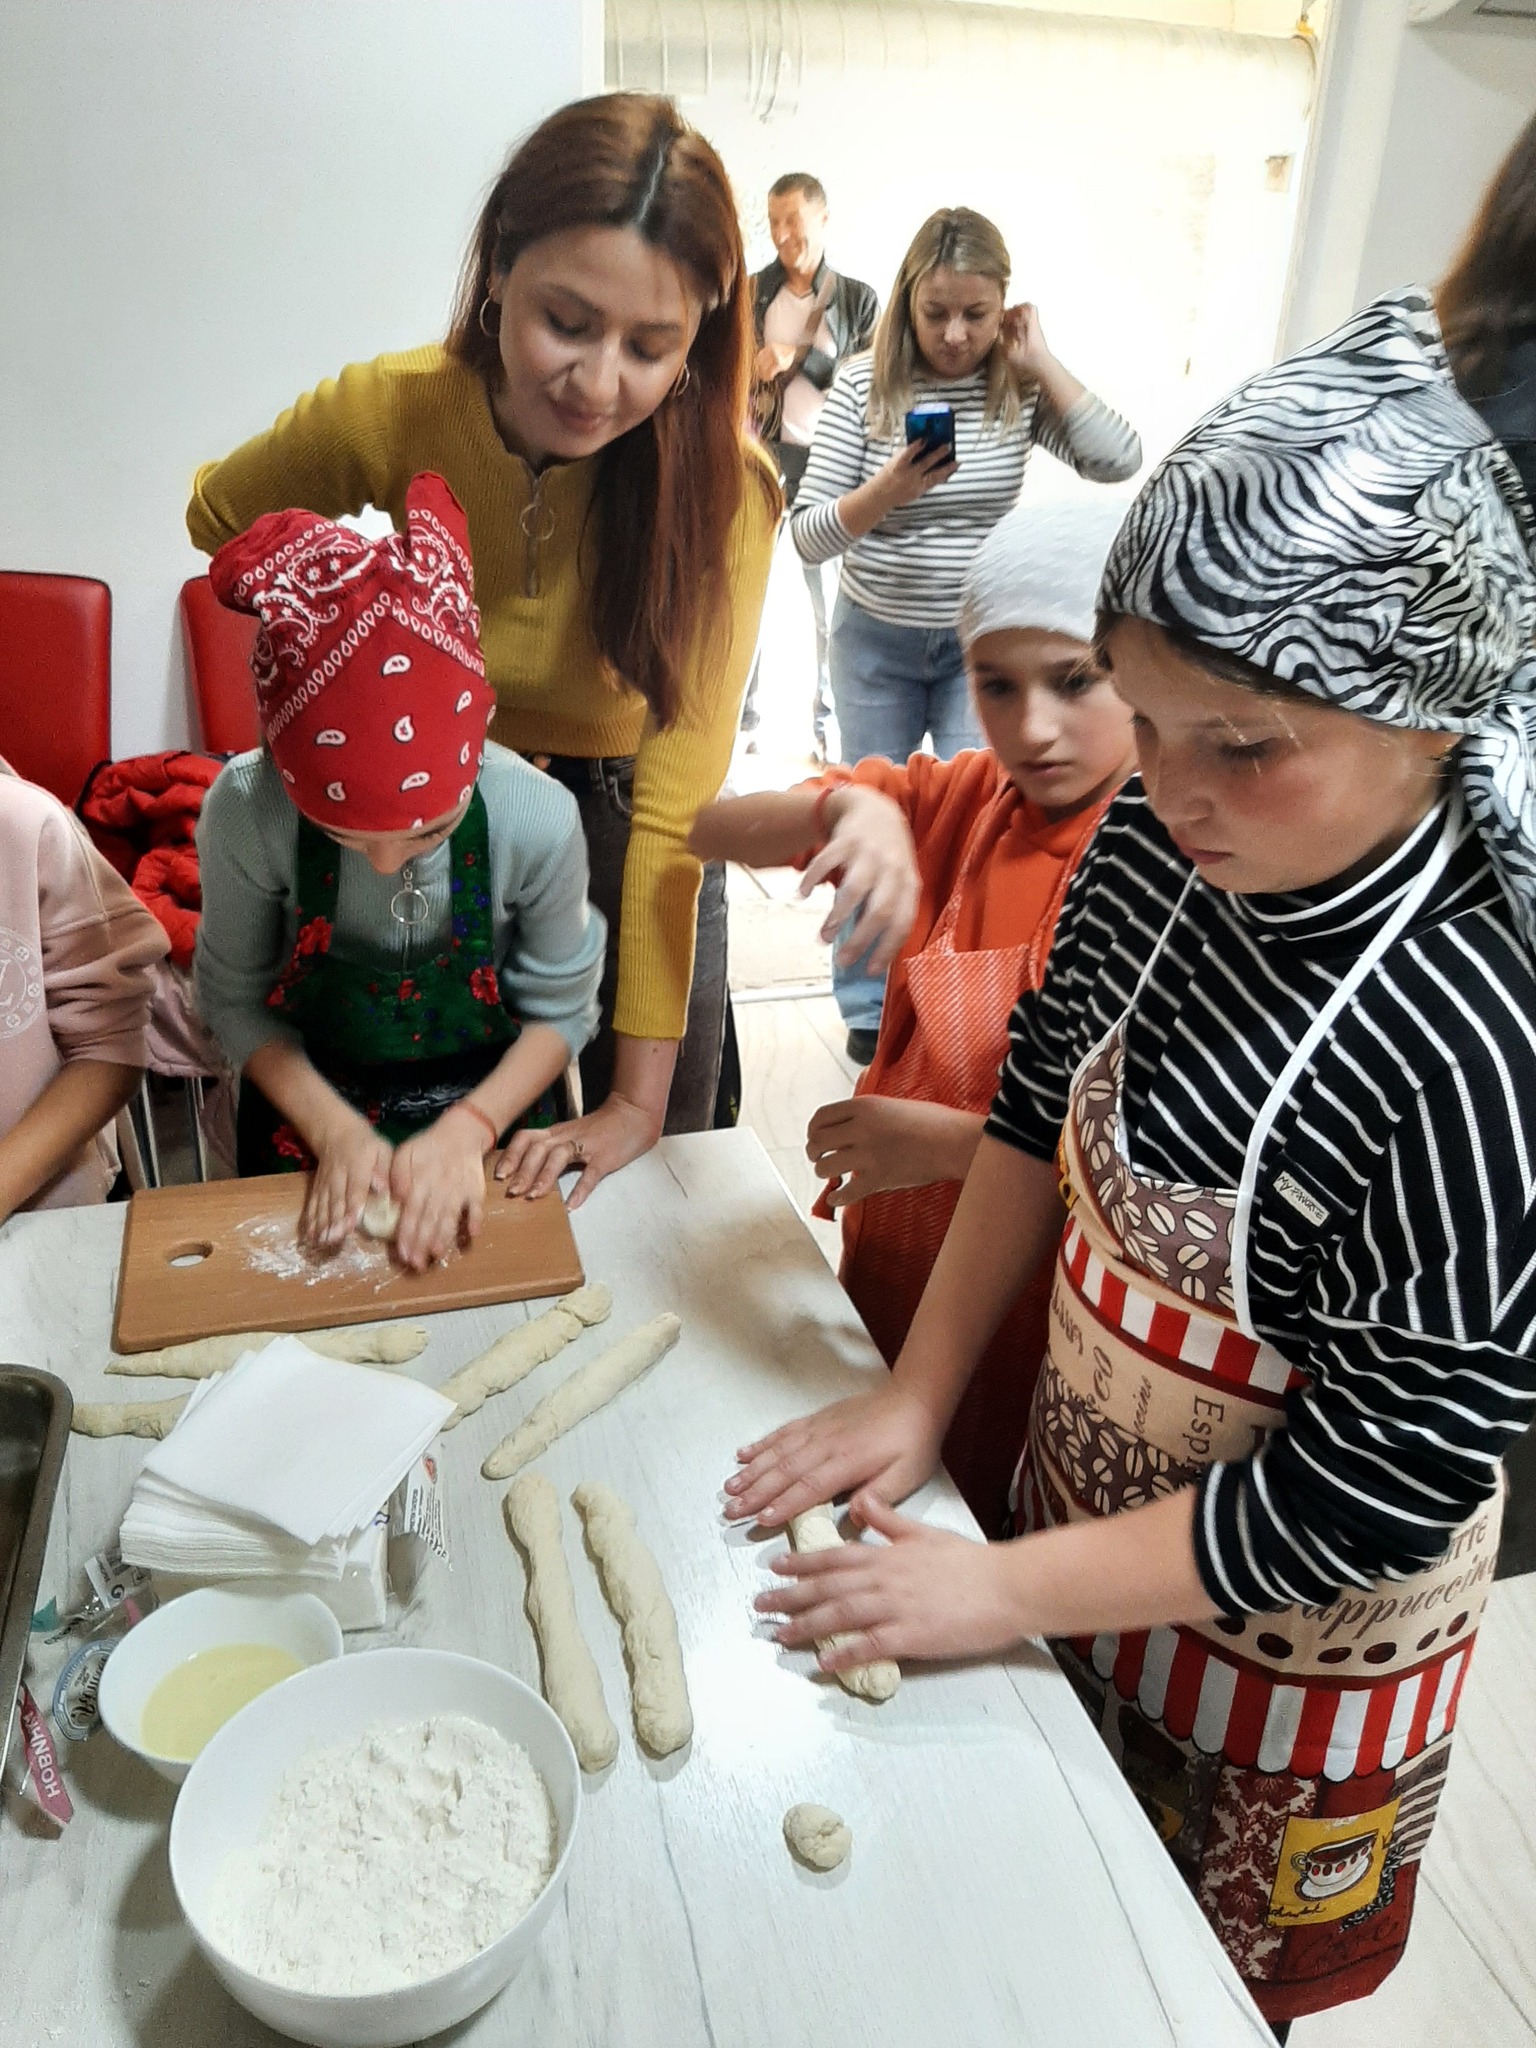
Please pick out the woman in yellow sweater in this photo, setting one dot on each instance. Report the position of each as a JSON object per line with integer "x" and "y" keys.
{"x": 586, "y": 409}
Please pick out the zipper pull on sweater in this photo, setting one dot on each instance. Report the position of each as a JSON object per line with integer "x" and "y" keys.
{"x": 537, "y": 521}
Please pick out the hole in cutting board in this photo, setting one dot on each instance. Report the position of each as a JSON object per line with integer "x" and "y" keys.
{"x": 189, "y": 1254}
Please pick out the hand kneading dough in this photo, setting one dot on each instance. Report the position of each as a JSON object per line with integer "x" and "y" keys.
{"x": 381, "y": 1216}
{"x": 387, "y": 1344}
{"x": 633, "y": 1588}
{"x": 816, "y": 1530}
{"x": 571, "y": 1682}
{"x": 126, "y": 1418}
{"x": 818, "y": 1836}
{"x": 515, "y": 1355}
{"x": 588, "y": 1388}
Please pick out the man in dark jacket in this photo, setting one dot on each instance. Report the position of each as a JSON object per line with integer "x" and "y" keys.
{"x": 808, "y": 319}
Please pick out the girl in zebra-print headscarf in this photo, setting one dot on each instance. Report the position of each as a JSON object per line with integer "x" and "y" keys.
{"x": 1346, "y": 526}
{"x": 1283, "y": 1070}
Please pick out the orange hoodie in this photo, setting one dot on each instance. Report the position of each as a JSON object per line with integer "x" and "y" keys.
{"x": 974, "y": 836}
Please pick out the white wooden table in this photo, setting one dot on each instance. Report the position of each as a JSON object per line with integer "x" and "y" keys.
{"x": 1004, "y": 1890}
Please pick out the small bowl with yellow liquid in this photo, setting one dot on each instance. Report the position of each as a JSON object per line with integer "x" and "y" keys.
{"x": 175, "y": 1679}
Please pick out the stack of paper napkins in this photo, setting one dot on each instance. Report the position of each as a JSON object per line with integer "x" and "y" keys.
{"x": 281, "y": 1468}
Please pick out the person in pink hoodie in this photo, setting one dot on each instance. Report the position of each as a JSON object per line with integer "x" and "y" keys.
{"x": 77, "y": 953}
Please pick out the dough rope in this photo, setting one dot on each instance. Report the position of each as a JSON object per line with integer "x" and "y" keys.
{"x": 587, "y": 1389}
{"x": 512, "y": 1357}
{"x": 818, "y": 1836}
{"x": 634, "y": 1589}
{"x": 386, "y": 1344}
{"x": 817, "y": 1530}
{"x": 127, "y": 1418}
{"x": 571, "y": 1681}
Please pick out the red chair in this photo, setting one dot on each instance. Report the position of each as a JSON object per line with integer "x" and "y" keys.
{"x": 218, "y": 643}
{"x": 55, "y": 678}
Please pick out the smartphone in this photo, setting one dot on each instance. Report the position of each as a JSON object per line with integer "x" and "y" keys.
{"x": 933, "y": 423}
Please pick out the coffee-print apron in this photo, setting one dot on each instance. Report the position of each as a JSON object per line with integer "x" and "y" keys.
{"x": 1291, "y": 1762}
{"x": 399, "y": 1043}
{"x": 962, "y": 1001}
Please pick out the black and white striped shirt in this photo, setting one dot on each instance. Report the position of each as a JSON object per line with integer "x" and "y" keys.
{"x": 909, "y": 570}
{"x": 1411, "y": 1307}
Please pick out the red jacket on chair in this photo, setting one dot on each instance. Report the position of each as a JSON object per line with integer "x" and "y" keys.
{"x": 142, "y": 814}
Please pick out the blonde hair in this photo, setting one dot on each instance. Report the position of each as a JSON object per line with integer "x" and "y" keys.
{"x": 954, "y": 238}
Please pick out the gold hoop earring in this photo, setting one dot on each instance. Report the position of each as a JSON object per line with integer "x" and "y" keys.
{"x": 490, "y": 333}
{"x": 684, "y": 379}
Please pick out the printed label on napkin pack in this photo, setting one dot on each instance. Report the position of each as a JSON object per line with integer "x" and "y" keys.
{"x": 416, "y": 1508}
{"x": 114, "y": 1582}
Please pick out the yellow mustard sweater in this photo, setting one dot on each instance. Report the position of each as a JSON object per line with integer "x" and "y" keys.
{"x": 357, "y": 440}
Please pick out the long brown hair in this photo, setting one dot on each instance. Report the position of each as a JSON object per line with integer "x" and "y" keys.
{"x": 957, "y": 239}
{"x": 668, "y": 490}
{"x": 1488, "y": 302}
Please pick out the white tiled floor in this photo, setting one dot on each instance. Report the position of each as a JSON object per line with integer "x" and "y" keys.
{"x": 1468, "y": 1979}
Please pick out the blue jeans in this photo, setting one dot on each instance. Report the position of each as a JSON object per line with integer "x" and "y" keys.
{"x": 892, "y": 686}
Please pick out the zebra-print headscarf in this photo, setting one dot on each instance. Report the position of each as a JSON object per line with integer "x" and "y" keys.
{"x": 1346, "y": 522}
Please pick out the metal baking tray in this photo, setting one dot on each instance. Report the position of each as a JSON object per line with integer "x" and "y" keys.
{"x": 35, "y": 1410}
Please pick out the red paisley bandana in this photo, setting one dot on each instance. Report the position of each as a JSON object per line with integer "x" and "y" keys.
{"x": 370, "y": 683}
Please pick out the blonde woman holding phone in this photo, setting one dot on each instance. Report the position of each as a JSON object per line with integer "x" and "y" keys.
{"x": 908, "y": 514}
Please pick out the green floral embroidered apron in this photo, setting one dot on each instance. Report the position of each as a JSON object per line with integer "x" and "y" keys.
{"x": 400, "y": 1047}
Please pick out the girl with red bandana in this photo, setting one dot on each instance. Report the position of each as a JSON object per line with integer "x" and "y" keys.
{"x": 396, "y": 952}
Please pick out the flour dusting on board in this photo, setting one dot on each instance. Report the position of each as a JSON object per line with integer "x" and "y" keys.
{"x": 273, "y": 1248}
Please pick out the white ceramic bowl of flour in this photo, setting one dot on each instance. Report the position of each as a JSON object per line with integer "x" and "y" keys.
{"x": 231, "y": 1788}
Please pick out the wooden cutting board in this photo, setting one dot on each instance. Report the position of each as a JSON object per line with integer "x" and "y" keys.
{"x": 224, "y": 1256}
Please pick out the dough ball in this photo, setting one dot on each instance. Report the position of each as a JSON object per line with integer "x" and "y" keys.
{"x": 818, "y": 1836}
{"x": 381, "y": 1216}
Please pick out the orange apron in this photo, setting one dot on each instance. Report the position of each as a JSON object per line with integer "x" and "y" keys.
{"x": 962, "y": 1001}
{"x": 1291, "y": 1762}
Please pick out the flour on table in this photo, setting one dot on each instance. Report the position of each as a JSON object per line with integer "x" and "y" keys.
{"x": 389, "y": 1860}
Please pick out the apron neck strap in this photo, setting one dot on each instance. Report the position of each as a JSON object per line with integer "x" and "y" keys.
{"x": 1414, "y": 898}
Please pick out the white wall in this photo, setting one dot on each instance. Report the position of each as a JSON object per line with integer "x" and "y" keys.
{"x": 1461, "y": 98}
{"x": 1411, "y": 124}
{"x": 204, "y": 209}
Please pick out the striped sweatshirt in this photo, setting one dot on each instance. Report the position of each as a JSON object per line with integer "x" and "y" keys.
{"x": 909, "y": 569}
{"x": 1410, "y": 1304}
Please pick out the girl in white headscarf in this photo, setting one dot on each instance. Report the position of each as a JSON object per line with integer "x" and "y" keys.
{"x": 975, "y": 854}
